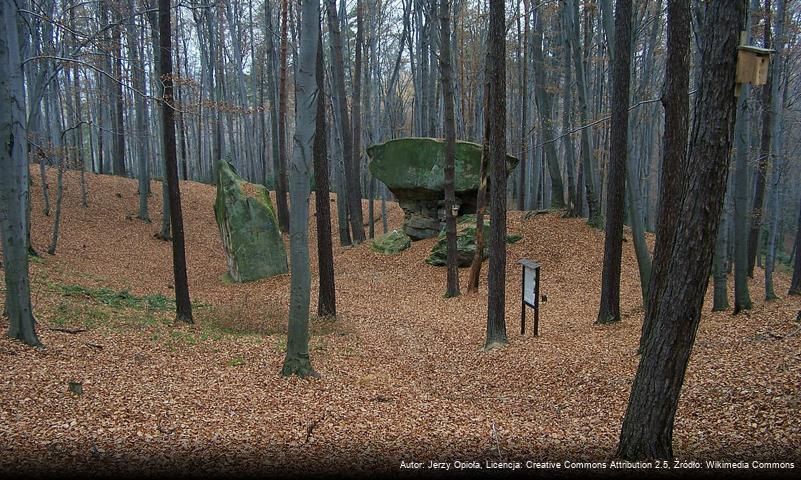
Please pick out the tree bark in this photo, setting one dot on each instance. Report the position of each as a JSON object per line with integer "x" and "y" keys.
{"x": 351, "y": 174}
{"x": 14, "y": 185}
{"x": 281, "y": 170}
{"x": 647, "y": 430}
{"x": 573, "y": 209}
{"x": 446, "y": 74}
{"x": 795, "y": 284}
{"x": 778, "y": 93}
{"x": 742, "y": 140}
{"x": 356, "y": 110}
{"x": 613, "y": 243}
{"x": 182, "y": 302}
{"x": 326, "y": 299}
{"x": 544, "y": 100}
{"x": 119, "y": 126}
{"x": 496, "y": 113}
{"x": 764, "y": 152}
{"x": 524, "y": 133}
{"x": 141, "y": 133}
{"x": 720, "y": 300}
{"x": 671, "y": 184}
{"x": 481, "y": 207}
{"x": 297, "y": 360}
{"x": 58, "y": 153}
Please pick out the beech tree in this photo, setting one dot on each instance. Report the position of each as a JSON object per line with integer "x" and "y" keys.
{"x": 647, "y": 430}
{"x": 14, "y": 180}
{"x": 297, "y": 360}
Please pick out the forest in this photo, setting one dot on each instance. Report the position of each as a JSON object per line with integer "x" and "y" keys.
{"x": 298, "y": 236}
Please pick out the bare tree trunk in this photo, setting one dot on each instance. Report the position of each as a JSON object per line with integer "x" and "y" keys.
{"x": 720, "y": 301}
{"x": 647, "y": 430}
{"x": 119, "y": 126}
{"x": 613, "y": 243}
{"x": 351, "y": 172}
{"x": 140, "y": 134}
{"x": 14, "y": 185}
{"x": 281, "y": 171}
{"x": 450, "y": 150}
{"x": 297, "y": 360}
{"x": 778, "y": 95}
{"x": 544, "y": 108}
{"x": 481, "y": 207}
{"x": 496, "y": 114}
{"x": 356, "y": 110}
{"x": 58, "y": 153}
{"x": 182, "y": 302}
{"x": 573, "y": 209}
{"x": 524, "y": 133}
{"x": 76, "y": 91}
{"x": 795, "y": 284}
{"x": 764, "y": 152}
{"x": 671, "y": 186}
{"x": 742, "y": 140}
{"x": 326, "y": 300}
{"x": 587, "y": 169}
{"x": 181, "y": 125}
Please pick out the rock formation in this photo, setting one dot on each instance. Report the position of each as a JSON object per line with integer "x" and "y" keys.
{"x": 414, "y": 170}
{"x": 248, "y": 227}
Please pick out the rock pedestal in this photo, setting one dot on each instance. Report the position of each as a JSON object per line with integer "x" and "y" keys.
{"x": 248, "y": 227}
{"x": 414, "y": 171}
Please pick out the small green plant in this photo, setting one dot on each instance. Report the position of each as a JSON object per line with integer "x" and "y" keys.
{"x": 280, "y": 343}
{"x": 119, "y": 299}
{"x": 236, "y": 361}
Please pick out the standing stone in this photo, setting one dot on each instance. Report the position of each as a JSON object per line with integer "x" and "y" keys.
{"x": 248, "y": 227}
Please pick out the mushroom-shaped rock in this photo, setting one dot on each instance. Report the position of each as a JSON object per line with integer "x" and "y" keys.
{"x": 245, "y": 216}
{"x": 414, "y": 170}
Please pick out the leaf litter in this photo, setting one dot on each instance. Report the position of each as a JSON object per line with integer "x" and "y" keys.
{"x": 404, "y": 376}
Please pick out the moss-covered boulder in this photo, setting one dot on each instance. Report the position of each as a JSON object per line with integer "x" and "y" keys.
{"x": 248, "y": 227}
{"x": 465, "y": 243}
{"x": 414, "y": 170}
{"x": 465, "y": 248}
{"x": 391, "y": 243}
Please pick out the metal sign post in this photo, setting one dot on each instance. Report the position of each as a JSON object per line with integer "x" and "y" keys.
{"x": 531, "y": 294}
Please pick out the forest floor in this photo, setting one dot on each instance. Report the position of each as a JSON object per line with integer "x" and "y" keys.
{"x": 404, "y": 375}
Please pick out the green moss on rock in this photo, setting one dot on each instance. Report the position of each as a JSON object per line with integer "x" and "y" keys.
{"x": 414, "y": 170}
{"x": 465, "y": 243}
{"x": 248, "y": 228}
{"x": 465, "y": 248}
{"x": 391, "y": 243}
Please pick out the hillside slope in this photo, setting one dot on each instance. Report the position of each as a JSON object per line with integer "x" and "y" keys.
{"x": 403, "y": 373}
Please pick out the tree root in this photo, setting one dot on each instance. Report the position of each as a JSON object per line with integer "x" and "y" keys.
{"x": 300, "y": 367}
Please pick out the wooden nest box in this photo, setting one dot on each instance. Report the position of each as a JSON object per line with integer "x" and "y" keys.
{"x": 752, "y": 64}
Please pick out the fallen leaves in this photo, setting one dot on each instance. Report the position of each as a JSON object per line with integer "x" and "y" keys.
{"x": 404, "y": 374}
